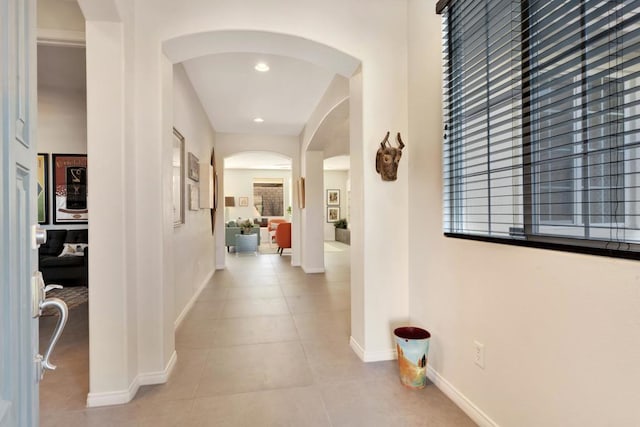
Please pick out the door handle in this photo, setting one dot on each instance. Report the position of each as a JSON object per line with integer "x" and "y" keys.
{"x": 44, "y": 362}
{"x": 61, "y": 306}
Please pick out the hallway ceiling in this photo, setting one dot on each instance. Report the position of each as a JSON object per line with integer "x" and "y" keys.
{"x": 233, "y": 93}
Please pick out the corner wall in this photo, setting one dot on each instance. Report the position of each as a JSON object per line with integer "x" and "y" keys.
{"x": 561, "y": 331}
{"x": 193, "y": 244}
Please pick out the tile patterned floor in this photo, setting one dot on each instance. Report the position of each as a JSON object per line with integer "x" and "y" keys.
{"x": 264, "y": 345}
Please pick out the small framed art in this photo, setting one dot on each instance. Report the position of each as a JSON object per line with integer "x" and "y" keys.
{"x": 333, "y": 197}
{"x": 194, "y": 167}
{"x": 333, "y": 214}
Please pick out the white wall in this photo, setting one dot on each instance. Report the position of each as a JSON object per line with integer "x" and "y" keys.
{"x": 561, "y": 331}
{"x": 193, "y": 243}
{"x": 62, "y": 128}
{"x": 239, "y": 183}
{"x": 62, "y": 121}
{"x": 113, "y": 317}
{"x": 335, "y": 180}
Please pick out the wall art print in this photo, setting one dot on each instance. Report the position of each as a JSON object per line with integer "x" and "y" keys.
{"x": 333, "y": 197}
{"x": 333, "y": 214}
{"x": 70, "y": 189}
{"x": 43, "y": 188}
{"x": 194, "y": 167}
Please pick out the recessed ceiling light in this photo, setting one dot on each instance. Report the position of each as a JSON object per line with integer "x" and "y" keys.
{"x": 258, "y": 120}
{"x": 262, "y": 67}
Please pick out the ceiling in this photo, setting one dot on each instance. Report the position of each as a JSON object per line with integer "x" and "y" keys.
{"x": 233, "y": 93}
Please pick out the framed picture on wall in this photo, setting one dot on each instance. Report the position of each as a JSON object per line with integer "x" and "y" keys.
{"x": 333, "y": 214}
{"x": 243, "y": 202}
{"x": 194, "y": 167}
{"x": 43, "y": 188}
{"x": 333, "y": 197}
{"x": 70, "y": 189}
{"x": 178, "y": 178}
{"x": 194, "y": 197}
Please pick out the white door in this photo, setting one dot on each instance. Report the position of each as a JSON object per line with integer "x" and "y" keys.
{"x": 18, "y": 329}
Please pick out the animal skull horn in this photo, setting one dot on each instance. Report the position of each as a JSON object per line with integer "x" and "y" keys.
{"x": 388, "y": 158}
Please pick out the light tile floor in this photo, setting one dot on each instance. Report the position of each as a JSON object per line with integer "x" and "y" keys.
{"x": 264, "y": 345}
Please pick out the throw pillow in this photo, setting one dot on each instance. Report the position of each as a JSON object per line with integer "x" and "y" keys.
{"x": 73, "y": 249}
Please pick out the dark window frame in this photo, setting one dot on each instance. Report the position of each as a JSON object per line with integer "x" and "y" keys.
{"x": 529, "y": 235}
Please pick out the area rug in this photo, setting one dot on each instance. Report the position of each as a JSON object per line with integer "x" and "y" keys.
{"x": 332, "y": 247}
{"x": 73, "y": 296}
{"x": 265, "y": 248}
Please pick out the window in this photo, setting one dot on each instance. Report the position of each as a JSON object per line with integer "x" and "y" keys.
{"x": 268, "y": 197}
{"x": 542, "y": 123}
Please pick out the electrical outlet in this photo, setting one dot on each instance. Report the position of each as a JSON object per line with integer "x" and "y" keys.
{"x": 478, "y": 356}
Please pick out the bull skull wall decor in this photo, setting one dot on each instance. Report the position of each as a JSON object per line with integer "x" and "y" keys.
{"x": 388, "y": 158}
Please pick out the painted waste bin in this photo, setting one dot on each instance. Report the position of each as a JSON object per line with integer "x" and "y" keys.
{"x": 412, "y": 345}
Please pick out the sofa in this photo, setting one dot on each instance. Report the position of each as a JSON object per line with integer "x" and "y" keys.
{"x": 64, "y": 258}
{"x": 232, "y": 229}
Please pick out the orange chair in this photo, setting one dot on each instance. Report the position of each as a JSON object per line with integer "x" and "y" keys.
{"x": 271, "y": 227}
{"x": 283, "y": 236}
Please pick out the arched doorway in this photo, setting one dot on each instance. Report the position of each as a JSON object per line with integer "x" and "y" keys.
{"x": 144, "y": 60}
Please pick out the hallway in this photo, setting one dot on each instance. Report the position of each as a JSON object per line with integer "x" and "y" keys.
{"x": 264, "y": 345}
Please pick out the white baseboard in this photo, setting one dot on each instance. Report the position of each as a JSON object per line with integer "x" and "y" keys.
{"x": 438, "y": 380}
{"x": 372, "y": 356}
{"x": 460, "y": 399}
{"x": 161, "y": 377}
{"x": 310, "y": 270}
{"x": 109, "y": 398}
{"x": 192, "y": 301}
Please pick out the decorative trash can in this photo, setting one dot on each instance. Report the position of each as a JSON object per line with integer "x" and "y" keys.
{"x": 412, "y": 345}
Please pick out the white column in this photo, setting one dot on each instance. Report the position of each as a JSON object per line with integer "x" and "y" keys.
{"x": 313, "y": 213}
{"x": 112, "y": 360}
{"x": 356, "y": 223}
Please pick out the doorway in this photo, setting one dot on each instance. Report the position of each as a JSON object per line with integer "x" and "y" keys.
{"x": 62, "y": 145}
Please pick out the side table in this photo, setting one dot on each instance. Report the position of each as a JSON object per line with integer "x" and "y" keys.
{"x": 247, "y": 243}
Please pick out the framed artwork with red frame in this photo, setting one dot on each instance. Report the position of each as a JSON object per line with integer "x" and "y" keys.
{"x": 70, "y": 189}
